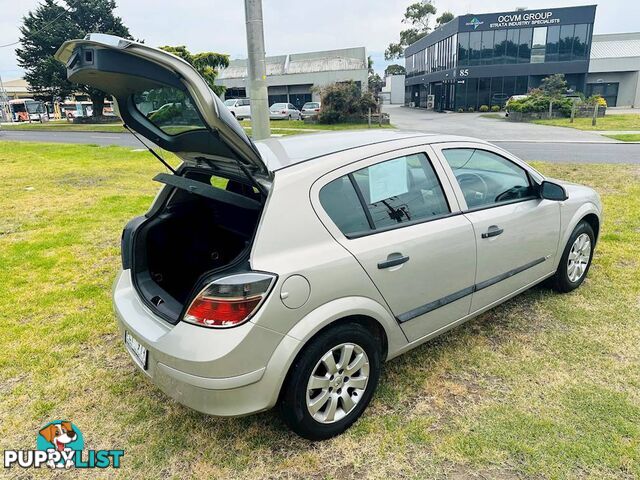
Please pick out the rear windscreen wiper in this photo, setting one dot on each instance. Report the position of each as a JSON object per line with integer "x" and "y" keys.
{"x": 164, "y": 162}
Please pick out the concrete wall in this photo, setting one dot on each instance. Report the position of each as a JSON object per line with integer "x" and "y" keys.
{"x": 317, "y": 79}
{"x": 312, "y": 68}
{"x": 628, "y": 88}
{"x": 393, "y": 90}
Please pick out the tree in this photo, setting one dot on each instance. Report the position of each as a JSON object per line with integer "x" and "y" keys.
{"x": 394, "y": 69}
{"x": 343, "y": 102}
{"x": 375, "y": 84}
{"x": 43, "y": 31}
{"x": 206, "y": 63}
{"x": 46, "y": 28}
{"x": 418, "y": 16}
{"x": 554, "y": 85}
{"x": 446, "y": 17}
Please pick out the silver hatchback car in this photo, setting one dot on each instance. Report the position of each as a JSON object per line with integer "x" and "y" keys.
{"x": 287, "y": 271}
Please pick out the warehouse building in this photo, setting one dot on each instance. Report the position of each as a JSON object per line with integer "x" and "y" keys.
{"x": 614, "y": 69}
{"x": 292, "y": 78}
{"x": 483, "y": 59}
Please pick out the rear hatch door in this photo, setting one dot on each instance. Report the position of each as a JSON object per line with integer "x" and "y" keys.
{"x": 164, "y": 99}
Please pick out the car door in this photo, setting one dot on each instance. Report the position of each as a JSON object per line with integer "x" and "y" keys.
{"x": 403, "y": 225}
{"x": 245, "y": 111}
{"x": 516, "y": 231}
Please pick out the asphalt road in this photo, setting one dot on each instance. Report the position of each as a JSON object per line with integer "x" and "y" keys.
{"x": 566, "y": 146}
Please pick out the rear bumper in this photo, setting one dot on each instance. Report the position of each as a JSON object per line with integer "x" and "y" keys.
{"x": 228, "y": 372}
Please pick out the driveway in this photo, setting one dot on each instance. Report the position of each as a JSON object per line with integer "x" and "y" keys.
{"x": 526, "y": 140}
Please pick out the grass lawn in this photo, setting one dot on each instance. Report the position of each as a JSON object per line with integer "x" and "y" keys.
{"x": 626, "y": 137}
{"x": 64, "y": 126}
{"x": 608, "y": 122}
{"x": 282, "y": 127}
{"x": 494, "y": 116}
{"x": 545, "y": 386}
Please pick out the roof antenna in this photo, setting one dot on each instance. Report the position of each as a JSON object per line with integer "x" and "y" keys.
{"x": 162, "y": 160}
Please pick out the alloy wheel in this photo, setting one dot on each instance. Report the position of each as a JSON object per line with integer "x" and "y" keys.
{"x": 579, "y": 257}
{"x": 337, "y": 383}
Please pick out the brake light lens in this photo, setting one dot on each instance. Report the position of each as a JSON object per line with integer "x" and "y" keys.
{"x": 284, "y": 111}
{"x": 230, "y": 301}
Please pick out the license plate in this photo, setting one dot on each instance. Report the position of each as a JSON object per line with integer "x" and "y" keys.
{"x": 138, "y": 350}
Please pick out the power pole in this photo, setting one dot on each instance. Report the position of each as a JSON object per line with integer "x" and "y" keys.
{"x": 4, "y": 103}
{"x": 257, "y": 70}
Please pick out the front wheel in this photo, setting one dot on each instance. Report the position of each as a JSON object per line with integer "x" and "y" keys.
{"x": 331, "y": 382}
{"x": 576, "y": 259}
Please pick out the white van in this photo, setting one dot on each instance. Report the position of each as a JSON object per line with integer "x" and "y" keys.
{"x": 239, "y": 107}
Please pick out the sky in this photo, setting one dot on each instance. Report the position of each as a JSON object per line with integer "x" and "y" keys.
{"x": 291, "y": 26}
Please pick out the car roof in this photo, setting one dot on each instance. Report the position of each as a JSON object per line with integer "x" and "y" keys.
{"x": 282, "y": 152}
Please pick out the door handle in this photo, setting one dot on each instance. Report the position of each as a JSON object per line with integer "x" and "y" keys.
{"x": 492, "y": 231}
{"x": 392, "y": 260}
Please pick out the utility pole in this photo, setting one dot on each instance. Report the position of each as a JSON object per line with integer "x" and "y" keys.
{"x": 257, "y": 70}
{"x": 4, "y": 102}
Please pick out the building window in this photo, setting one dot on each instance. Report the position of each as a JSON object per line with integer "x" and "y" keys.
{"x": 484, "y": 91}
{"x": 509, "y": 86}
{"x": 499, "y": 46}
{"x": 566, "y": 43}
{"x": 580, "y": 39}
{"x": 512, "y": 46}
{"x": 522, "y": 85}
{"x": 553, "y": 40}
{"x": 524, "y": 50}
{"x": 538, "y": 47}
{"x": 463, "y": 49}
{"x": 487, "y": 47}
{"x": 475, "y": 48}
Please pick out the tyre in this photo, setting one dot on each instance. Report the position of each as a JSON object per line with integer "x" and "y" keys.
{"x": 331, "y": 382}
{"x": 576, "y": 259}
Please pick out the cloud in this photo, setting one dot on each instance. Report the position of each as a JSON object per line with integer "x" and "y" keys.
{"x": 290, "y": 26}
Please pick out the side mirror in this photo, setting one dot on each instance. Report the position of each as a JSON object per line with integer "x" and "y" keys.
{"x": 553, "y": 191}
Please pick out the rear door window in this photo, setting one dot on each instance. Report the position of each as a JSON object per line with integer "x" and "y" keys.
{"x": 169, "y": 109}
{"x": 388, "y": 194}
{"x": 340, "y": 200}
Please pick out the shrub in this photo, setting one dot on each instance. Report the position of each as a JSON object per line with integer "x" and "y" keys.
{"x": 495, "y": 108}
{"x": 461, "y": 110}
{"x": 344, "y": 102}
{"x": 483, "y": 108}
{"x": 596, "y": 99}
{"x": 538, "y": 101}
{"x": 471, "y": 109}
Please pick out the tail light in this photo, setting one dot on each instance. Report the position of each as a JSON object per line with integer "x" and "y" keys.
{"x": 230, "y": 301}
{"x": 284, "y": 111}
{"x": 317, "y": 109}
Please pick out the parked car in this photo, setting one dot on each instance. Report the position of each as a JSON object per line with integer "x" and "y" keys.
{"x": 511, "y": 99}
{"x": 284, "y": 111}
{"x": 323, "y": 255}
{"x": 239, "y": 107}
{"x": 499, "y": 99}
{"x": 310, "y": 109}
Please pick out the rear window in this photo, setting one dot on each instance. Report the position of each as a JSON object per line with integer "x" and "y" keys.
{"x": 278, "y": 105}
{"x": 311, "y": 105}
{"x": 169, "y": 109}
